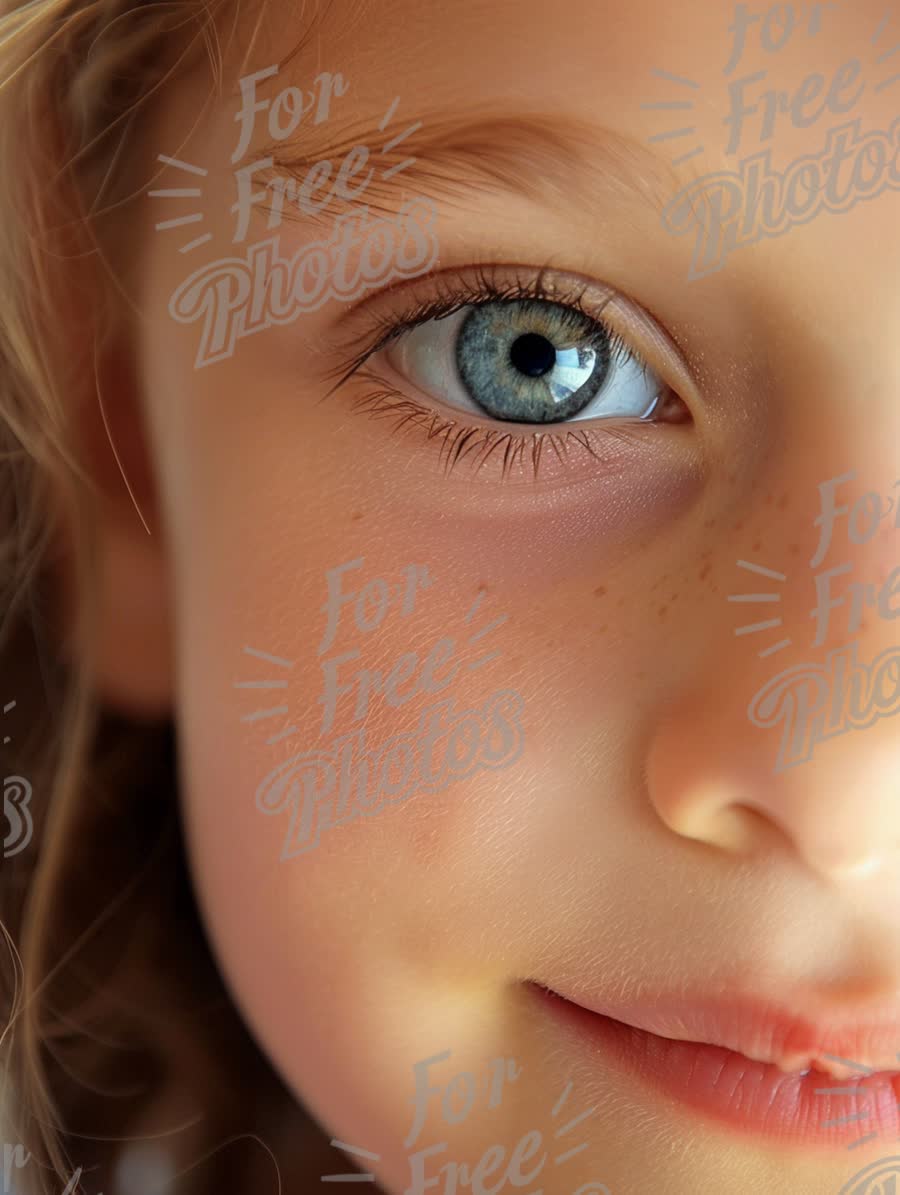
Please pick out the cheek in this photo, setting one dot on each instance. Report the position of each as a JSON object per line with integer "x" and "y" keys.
{"x": 306, "y": 714}
{"x": 403, "y": 922}
{"x": 342, "y": 950}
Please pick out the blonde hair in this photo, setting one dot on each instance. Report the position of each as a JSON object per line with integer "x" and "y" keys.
{"x": 110, "y": 997}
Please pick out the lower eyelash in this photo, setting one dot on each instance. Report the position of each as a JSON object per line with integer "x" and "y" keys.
{"x": 459, "y": 440}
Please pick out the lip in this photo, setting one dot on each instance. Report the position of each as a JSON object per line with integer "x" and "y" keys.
{"x": 750, "y": 1065}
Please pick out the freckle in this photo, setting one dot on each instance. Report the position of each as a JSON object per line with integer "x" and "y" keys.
{"x": 795, "y": 549}
{"x": 621, "y": 601}
{"x": 663, "y": 611}
{"x": 356, "y": 517}
{"x": 642, "y": 675}
{"x": 600, "y": 591}
{"x": 713, "y": 589}
{"x": 739, "y": 526}
{"x": 757, "y": 547}
{"x": 601, "y": 630}
{"x": 674, "y": 597}
{"x": 704, "y": 572}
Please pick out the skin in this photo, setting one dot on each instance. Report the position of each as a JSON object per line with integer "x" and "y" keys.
{"x": 642, "y": 840}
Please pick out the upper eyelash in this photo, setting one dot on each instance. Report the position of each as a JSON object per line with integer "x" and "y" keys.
{"x": 486, "y": 289}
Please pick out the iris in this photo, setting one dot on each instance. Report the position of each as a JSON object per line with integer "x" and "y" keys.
{"x": 532, "y": 361}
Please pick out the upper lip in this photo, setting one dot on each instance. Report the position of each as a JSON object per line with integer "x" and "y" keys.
{"x": 835, "y": 1043}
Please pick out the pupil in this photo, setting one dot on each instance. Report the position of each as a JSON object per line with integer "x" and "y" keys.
{"x": 533, "y": 355}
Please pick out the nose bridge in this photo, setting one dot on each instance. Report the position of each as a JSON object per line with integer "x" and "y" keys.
{"x": 796, "y": 721}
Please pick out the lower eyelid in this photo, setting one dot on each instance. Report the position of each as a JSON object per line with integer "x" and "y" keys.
{"x": 510, "y": 456}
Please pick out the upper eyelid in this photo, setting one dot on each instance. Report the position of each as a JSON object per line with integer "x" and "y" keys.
{"x": 644, "y": 335}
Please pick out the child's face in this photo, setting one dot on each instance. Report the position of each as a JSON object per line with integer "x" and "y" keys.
{"x": 636, "y": 825}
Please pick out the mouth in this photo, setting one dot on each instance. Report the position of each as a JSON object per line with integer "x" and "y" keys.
{"x": 746, "y": 1067}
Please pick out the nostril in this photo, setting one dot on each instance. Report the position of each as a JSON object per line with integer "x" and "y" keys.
{"x": 715, "y": 819}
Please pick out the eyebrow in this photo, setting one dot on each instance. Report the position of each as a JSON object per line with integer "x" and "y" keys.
{"x": 555, "y": 159}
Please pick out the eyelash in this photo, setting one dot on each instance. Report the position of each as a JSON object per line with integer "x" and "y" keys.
{"x": 458, "y": 436}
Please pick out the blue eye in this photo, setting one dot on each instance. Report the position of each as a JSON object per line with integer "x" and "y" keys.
{"x": 526, "y": 361}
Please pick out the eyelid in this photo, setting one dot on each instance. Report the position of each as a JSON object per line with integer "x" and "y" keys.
{"x": 643, "y": 334}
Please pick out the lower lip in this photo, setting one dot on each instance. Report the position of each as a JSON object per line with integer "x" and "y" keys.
{"x": 754, "y": 1098}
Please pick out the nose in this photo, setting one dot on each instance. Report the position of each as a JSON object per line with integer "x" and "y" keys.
{"x": 839, "y": 812}
{"x": 796, "y": 744}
